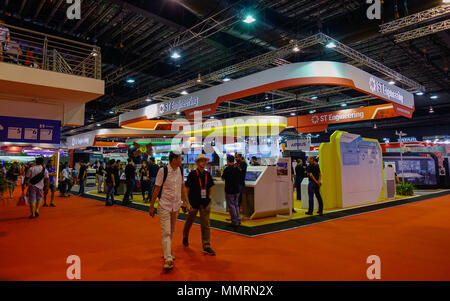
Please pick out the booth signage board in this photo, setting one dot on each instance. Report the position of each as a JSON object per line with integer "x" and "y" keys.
{"x": 298, "y": 144}
{"x": 15, "y": 129}
{"x": 290, "y": 75}
{"x": 319, "y": 122}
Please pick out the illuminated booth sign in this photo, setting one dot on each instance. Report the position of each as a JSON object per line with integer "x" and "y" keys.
{"x": 290, "y": 75}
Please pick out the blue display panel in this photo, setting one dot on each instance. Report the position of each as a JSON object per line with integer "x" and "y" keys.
{"x": 14, "y": 129}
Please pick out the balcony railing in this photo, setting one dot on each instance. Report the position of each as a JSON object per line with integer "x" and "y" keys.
{"x": 37, "y": 50}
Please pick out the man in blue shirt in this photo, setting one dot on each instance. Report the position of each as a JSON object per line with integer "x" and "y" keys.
{"x": 52, "y": 187}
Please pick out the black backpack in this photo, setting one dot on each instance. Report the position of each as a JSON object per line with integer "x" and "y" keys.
{"x": 166, "y": 171}
{"x": 37, "y": 178}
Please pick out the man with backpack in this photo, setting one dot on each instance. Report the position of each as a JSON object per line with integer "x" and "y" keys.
{"x": 36, "y": 176}
{"x": 169, "y": 187}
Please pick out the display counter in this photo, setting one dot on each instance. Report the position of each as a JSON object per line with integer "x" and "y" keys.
{"x": 264, "y": 194}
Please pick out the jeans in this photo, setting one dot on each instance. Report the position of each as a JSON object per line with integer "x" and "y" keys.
{"x": 130, "y": 187}
{"x": 110, "y": 192}
{"x": 168, "y": 220}
{"x": 204, "y": 224}
{"x": 82, "y": 182}
{"x": 100, "y": 182}
{"x": 314, "y": 189}
{"x": 233, "y": 207}
{"x": 151, "y": 187}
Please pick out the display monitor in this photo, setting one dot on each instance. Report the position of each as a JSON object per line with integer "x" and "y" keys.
{"x": 252, "y": 176}
{"x": 184, "y": 159}
{"x": 420, "y": 171}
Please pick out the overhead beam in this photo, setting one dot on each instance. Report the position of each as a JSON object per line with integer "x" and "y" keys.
{"x": 422, "y": 31}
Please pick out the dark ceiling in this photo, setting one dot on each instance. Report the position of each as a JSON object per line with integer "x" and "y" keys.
{"x": 135, "y": 37}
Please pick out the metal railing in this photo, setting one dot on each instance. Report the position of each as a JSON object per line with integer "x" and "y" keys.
{"x": 37, "y": 50}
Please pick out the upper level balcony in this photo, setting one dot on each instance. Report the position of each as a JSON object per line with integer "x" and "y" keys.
{"x": 43, "y": 76}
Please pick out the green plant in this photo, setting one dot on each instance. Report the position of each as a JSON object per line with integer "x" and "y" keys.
{"x": 405, "y": 188}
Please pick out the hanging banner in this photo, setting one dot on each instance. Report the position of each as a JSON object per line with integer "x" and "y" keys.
{"x": 319, "y": 122}
{"x": 14, "y": 129}
{"x": 303, "y": 144}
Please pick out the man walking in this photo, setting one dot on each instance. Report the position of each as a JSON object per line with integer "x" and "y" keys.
{"x": 52, "y": 187}
{"x": 232, "y": 177}
{"x": 36, "y": 176}
{"x": 130, "y": 178}
{"x": 169, "y": 187}
{"x": 313, "y": 172}
{"x": 100, "y": 176}
{"x": 199, "y": 188}
{"x": 110, "y": 183}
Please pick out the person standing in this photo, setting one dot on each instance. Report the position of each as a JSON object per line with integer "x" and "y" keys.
{"x": 169, "y": 187}
{"x": 232, "y": 177}
{"x": 65, "y": 178}
{"x": 52, "y": 187}
{"x": 199, "y": 188}
{"x": 4, "y": 39}
{"x": 11, "y": 176}
{"x": 255, "y": 161}
{"x": 130, "y": 178}
{"x": 36, "y": 176}
{"x": 242, "y": 165}
{"x": 152, "y": 172}
{"x": 100, "y": 176}
{"x": 82, "y": 177}
{"x": 117, "y": 168}
{"x": 314, "y": 176}
{"x": 110, "y": 183}
{"x": 300, "y": 174}
{"x": 145, "y": 182}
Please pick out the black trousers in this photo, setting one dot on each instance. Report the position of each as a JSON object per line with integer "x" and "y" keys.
{"x": 313, "y": 189}
{"x": 298, "y": 186}
{"x": 130, "y": 187}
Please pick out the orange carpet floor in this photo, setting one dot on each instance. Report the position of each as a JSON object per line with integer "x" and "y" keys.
{"x": 116, "y": 243}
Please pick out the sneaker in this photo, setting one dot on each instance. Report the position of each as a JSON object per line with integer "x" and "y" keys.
{"x": 31, "y": 216}
{"x": 52, "y": 205}
{"x": 168, "y": 265}
{"x": 36, "y": 214}
{"x": 209, "y": 251}
{"x": 308, "y": 213}
{"x": 185, "y": 242}
{"x": 45, "y": 205}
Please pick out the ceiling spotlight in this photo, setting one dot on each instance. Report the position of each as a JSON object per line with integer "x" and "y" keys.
{"x": 296, "y": 49}
{"x": 314, "y": 97}
{"x": 178, "y": 113}
{"x": 199, "y": 79}
{"x": 331, "y": 45}
{"x": 268, "y": 107}
{"x": 420, "y": 93}
{"x": 249, "y": 19}
{"x": 148, "y": 99}
{"x": 292, "y": 114}
{"x": 431, "y": 111}
{"x": 391, "y": 82}
{"x": 434, "y": 97}
{"x": 312, "y": 111}
{"x": 131, "y": 81}
{"x": 226, "y": 79}
{"x": 98, "y": 124}
{"x": 111, "y": 112}
{"x": 212, "y": 117}
{"x": 92, "y": 117}
{"x": 184, "y": 92}
{"x": 375, "y": 126}
{"x": 175, "y": 55}
{"x": 343, "y": 104}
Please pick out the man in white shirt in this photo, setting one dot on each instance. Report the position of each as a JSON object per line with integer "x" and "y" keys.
{"x": 169, "y": 181}
{"x": 36, "y": 176}
{"x": 4, "y": 38}
{"x": 66, "y": 174}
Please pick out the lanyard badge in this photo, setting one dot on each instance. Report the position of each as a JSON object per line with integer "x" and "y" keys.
{"x": 202, "y": 189}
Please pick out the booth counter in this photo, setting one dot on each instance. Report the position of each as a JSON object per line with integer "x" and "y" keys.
{"x": 268, "y": 191}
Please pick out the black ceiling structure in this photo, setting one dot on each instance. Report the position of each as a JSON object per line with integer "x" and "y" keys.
{"x": 136, "y": 36}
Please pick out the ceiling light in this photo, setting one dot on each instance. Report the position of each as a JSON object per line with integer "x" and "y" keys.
{"x": 212, "y": 117}
{"x": 184, "y": 92}
{"x": 226, "y": 79}
{"x": 249, "y": 19}
{"x": 375, "y": 126}
{"x": 434, "y": 97}
{"x": 330, "y": 45}
{"x": 312, "y": 111}
{"x": 420, "y": 93}
{"x": 391, "y": 82}
{"x": 343, "y": 104}
{"x": 296, "y": 49}
{"x": 199, "y": 79}
{"x": 148, "y": 99}
{"x": 268, "y": 107}
{"x": 175, "y": 55}
{"x": 92, "y": 117}
{"x": 111, "y": 112}
{"x": 314, "y": 97}
{"x": 98, "y": 124}
{"x": 431, "y": 111}
{"x": 131, "y": 81}
{"x": 178, "y": 113}
{"x": 292, "y": 114}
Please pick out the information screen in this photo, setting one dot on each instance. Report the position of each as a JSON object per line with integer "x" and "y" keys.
{"x": 416, "y": 170}
{"x": 252, "y": 176}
